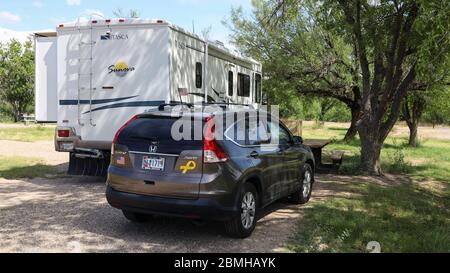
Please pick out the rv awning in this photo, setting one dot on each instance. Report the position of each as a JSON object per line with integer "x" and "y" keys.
{"x": 45, "y": 34}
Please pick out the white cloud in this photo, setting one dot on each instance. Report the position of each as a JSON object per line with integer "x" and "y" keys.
{"x": 8, "y": 17}
{"x": 38, "y": 4}
{"x": 73, "y": 2}
{"x": 57, "y": 20}
{"x": 94, "y": 13}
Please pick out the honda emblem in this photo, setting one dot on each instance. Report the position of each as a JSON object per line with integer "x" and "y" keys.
{"x": 153, "y": 149}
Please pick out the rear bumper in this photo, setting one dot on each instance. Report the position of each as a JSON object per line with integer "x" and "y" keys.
{"x": 202, "y": 208}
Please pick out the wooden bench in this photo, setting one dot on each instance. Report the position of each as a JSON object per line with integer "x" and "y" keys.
{"x": 27, "y": 119}
{"x": 337, "y": 157}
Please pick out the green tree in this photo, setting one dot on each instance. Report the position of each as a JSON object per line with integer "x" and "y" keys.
{"x": 390, "y": 45}
{"x": 398, "y": 42}
{"x": 438, "y": 107}
{"x": 16, "y": 77}
{"x": 299, "y": 56}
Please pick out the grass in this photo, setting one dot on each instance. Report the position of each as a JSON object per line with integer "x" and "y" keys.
{"x": 402, "y": 217}
{"x": 27, "y": 134}
{"x": 25, "y": 167}
{"x": 431, "y": 160}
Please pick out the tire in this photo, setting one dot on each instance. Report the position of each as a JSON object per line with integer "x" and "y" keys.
{"x": 242, "y": 228}
{"x": 136, "y": 217}
{"x": 303, "y": 194}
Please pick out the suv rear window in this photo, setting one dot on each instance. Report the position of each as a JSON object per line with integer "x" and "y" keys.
{"x": 142, "y": 132}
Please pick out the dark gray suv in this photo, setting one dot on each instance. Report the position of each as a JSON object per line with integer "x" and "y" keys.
{"x": 227, "y": 176}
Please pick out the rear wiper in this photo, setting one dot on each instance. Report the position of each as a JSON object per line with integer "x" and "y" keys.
{"x": 164, "y": 105}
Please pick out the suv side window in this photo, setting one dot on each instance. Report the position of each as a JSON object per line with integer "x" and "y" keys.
{"x": 245, "y": 134}
{"x": 279, "y": 133}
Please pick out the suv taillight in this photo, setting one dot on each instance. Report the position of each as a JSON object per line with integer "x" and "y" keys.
{"x": 212, "y": 152}
{"x": 116, "y": 137}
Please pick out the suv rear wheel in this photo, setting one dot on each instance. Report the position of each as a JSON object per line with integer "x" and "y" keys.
{"x": 136, "y": 217}
{"x": 243, "y": 224}
{"x": 303, "y": 194}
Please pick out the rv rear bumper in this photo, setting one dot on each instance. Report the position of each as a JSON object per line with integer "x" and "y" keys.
{"x": 73, "y": 142}
{"x": 202, "y": 208}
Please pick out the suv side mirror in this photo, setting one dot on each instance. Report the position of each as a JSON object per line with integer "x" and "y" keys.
{"x": 298, "y": 140}
{"x": 266, "y": 140}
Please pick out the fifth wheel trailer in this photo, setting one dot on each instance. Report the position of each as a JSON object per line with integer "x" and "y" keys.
{"x": 110, "y": 70}
{"x": 46, "y": 89}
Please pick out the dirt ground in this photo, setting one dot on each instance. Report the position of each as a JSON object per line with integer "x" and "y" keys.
{"x": 72, "y": 215}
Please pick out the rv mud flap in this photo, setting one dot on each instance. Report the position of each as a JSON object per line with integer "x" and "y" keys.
{"x": 88, "y": 166}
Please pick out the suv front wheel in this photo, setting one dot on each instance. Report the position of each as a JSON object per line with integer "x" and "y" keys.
{"x": 243, "y": 224}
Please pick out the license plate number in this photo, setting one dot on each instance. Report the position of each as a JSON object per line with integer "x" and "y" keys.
{"x": 67, "y": 146}
{"x": 153, "y": 164}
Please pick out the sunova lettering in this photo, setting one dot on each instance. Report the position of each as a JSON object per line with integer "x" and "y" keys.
{"x": 113, "y": 69}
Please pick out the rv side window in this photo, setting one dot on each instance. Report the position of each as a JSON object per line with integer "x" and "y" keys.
{"x": 258, "y": 84}
{"x": 243, "y": 85}
{"x": 230, "y": 83}
{"x": 198, "y": 75}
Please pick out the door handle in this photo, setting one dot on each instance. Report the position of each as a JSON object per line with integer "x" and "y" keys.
{"x": 254, "y": 154}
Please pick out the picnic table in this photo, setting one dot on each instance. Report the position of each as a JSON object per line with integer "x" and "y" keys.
{"x": 317, "y": 146}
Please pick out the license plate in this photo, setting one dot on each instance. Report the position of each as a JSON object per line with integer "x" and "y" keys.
{"x": 153, "y": 164}
{"x": 67, "y": 146}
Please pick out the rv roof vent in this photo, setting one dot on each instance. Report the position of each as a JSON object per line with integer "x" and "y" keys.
{"x": 108, "y": 20}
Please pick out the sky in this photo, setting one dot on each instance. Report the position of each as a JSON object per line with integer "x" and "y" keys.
{"x": 33, "y": 15}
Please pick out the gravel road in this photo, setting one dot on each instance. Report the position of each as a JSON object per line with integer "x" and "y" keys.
{"x": 72, "y": 215}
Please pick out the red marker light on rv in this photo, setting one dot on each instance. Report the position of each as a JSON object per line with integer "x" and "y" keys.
{"x": 108, "y": 21}
{"x": 63, "y": 133}
{"x": 121, "y": 20}
{"x": 61, "y": 25}
{"x": 95, "y": 22}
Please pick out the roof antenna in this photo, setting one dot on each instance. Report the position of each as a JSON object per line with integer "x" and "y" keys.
{"x": 193, "y": 26}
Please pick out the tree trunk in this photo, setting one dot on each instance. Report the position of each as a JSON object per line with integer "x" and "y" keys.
{"x": 16, "y": 116}
{"x": 370, "y": 154}
{"x": 413, "y": 135}
{"x": 413, "y": 108}
{"x": 353, "y": 130}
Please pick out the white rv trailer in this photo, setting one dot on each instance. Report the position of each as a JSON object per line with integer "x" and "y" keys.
{"x": 110, "y": 70}
{"x": 46, "y": 89}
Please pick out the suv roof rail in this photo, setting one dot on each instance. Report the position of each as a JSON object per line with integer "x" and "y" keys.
{"x": 225, "y": 104}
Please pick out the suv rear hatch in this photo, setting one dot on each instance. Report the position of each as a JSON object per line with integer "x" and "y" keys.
{"x": 147, "y": 160}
